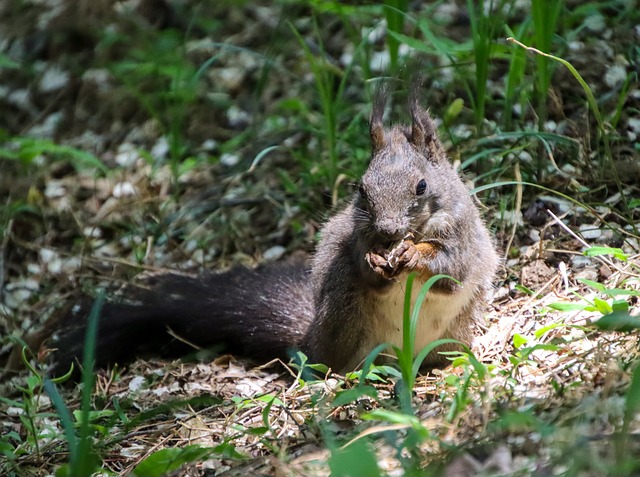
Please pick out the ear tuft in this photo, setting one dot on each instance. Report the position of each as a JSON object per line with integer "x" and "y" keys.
{"x": 376, "y": 126}
{"x": 423, "y": 129}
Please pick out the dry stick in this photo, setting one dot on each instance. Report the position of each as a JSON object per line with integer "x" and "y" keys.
{"x": 3, "y": 248}
{"x": 176, "y": 336}
{"x": 514, "y": 320}
{"x": 601, "y": 258}
{"x": 518, "y": 206}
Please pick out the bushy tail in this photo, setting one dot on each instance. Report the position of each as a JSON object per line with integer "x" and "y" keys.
{"x": 260, "y": 314}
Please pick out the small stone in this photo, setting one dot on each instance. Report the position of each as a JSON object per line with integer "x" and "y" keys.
{"x": 230, "y": 78}
{"x": 92, "y": 232}
{"x": 47, "y": 128}
{"x": 534, "y": 235}
{"x": 127, "y": 155}
{"x": 595, "y": 23}
{"x": 229, "y": 160}
{"x": 34, "y": 269}
{"x": 576, "y": 45}
{"x": 70, "y": 265}
{"x": 20, "y": 98}
{"x": 525, "y": 156}
{"x": 161, "y": 148}
{"x": 123, "y": 189}
{"x": 607, "y": 236}
{"x": 615, "y": 76}
{"x": 634, "y": 125}
{"x": 590, "y": 232}
{"x": 380, "y": 61}
{"x": 377, "y": 33}
{"x": 209, "y": 145}
{"x": 274, "y": 253}
{"x": 580, "y": 261}
{"x": 53, "y": 79}
{"x": 446, "y": 13}
{"x": 136, "y": 383}
{"x": 237, "y": 117}
{"x": 99, "y": 76}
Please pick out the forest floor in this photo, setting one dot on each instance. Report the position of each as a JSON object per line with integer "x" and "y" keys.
{"x": 151, "y": 135}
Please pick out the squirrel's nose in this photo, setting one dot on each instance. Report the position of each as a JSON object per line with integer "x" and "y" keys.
{"x": 389, "y": 230}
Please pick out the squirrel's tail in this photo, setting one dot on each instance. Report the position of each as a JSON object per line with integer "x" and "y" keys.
{"x": 260, "y": 314}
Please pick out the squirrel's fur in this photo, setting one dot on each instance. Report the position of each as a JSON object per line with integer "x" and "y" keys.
{"x": 411, "y": 205}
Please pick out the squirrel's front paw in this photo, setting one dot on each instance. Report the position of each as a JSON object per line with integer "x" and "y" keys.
{"x": 410, "y": 255}
{"x": 377, "y": 260}
{"x": 405, "y": 256}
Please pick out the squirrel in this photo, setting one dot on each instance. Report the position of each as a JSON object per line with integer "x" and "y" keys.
{"x": 411, "y": 213}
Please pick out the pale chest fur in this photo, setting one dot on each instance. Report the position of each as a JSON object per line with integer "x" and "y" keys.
{"x": 437, "y": 313}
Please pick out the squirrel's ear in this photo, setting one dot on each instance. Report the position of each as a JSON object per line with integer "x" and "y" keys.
{"x": 423, "y": 129}
{"x": 424, "y": 134}
{"x": 376, "y": 127}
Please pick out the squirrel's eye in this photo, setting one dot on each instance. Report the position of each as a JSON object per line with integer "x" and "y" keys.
{"x": 421, "y": 187}
{"x": 362, "y": 192}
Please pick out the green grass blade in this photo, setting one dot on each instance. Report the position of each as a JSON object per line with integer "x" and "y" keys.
{"x": 417, "y": 362}
{"x": 85, "y": 460}
{"x": 65, "y": 417}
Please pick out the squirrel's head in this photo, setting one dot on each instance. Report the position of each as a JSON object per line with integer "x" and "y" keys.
{"x": 404, "y": 182}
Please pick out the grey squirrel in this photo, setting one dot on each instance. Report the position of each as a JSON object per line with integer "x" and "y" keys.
{"x": 412, "y": 212}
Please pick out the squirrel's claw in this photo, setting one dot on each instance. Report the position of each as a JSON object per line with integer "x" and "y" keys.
{"x": 406, "y": 256}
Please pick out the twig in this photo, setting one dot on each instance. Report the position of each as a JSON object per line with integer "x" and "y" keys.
{"x": 517, "y": 207}
{"x": 604, "y": 260}
{"x": 3, "y": 248}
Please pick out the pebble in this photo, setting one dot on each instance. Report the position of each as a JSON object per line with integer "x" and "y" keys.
{"x": 92, "y": 232}
{"x": 615, "y": 76}
{"x": 54, "y": 190}
{"x": 274, "y": 253}
{"x": 580, "y": 261}
{"x": 380, "y": 61}
{"x": 634, "y": 124}
{"x": 99, "y": 76}
{"x": 161, "y": 148}
{"x": 446, "y": 13}
{"x": 237, "y": 117}
{"x": 595, "y": 23}
{"x": 53, "y": 79}
{"x": 47, "y": 128}
{"x": 209, "y": 145}
{"x": 590, "y": 232}
{"x": 51, "y": 260}
{"x": 136, "y": 383}
{"x": 229, "y": 160}
{"x": 123, "y": 189}
{"x": 127, "y": 155}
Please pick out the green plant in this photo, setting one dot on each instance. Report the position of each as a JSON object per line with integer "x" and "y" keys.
{"x": 485, "y": 20}
{"x": 162, "y": 78}
{"x": 410, "y": 366}
{"x": 83, "y": 459}
{"x": 513, "y": 88}
{"x": 395, "y": 12}
{"x": 26, "y": 149}
{"x": 330, "y": 82}
{"x": 603, "y": 134}
{"x": 36, "y": 422}
{"x": 546, "y": 15}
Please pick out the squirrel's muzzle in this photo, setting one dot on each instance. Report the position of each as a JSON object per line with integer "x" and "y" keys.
{"x": 389, "y": 231}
